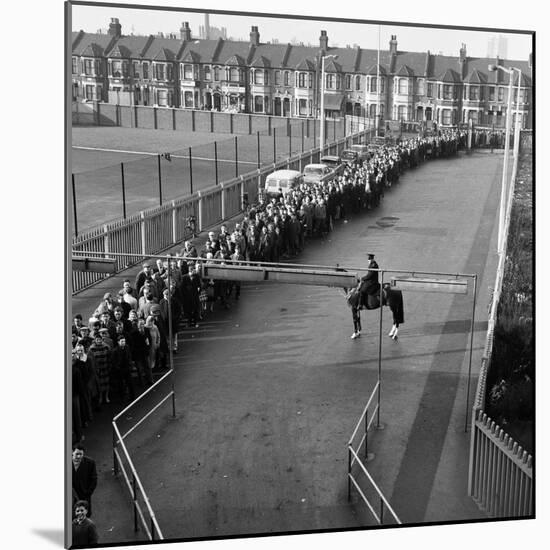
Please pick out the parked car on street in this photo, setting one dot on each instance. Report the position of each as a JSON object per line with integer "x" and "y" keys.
{"x": 317, "y": 173}
{"x": 282, "y": 181}
{"x": 334, "y": 162}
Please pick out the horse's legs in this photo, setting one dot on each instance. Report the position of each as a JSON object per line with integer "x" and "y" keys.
{"x": 356, "y": 322}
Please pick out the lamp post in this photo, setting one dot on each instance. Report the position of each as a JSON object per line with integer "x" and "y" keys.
{"x": 502, "y": 211}
{"x": 322, "y": 117}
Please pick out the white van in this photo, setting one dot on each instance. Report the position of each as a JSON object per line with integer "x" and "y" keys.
{"x": 282, "y": 181}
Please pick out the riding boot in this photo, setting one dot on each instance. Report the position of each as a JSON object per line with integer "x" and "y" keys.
{"x": 394, "y": 336}
{"x": 392, "y": 331}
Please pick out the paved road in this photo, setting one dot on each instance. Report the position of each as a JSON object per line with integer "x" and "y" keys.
{"x": 269, "y": 391}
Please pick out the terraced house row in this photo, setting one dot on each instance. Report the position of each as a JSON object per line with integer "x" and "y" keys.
{"x": 285, "y": 79}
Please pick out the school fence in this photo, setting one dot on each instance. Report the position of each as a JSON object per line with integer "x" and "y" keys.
{"x": 157, "y": 229}
{"x": 500, "y": 476}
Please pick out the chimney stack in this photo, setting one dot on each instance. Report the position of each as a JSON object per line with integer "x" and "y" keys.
{"x": 393, "y": 44}
{"x": 115, "y": 28}
{"x": 463, "y": 53}
{"x": 254, "y": 36}
{"x": 323, "y": 41}
{"x": 185, "y": 31}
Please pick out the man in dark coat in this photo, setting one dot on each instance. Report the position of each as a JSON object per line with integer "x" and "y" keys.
{"x": 394, "y": 299}
{"x": 84, "y": 476}
{"x": 369, "y": 285}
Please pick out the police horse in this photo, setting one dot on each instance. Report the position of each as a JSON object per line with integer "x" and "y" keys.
{"x": 366, "y": 295}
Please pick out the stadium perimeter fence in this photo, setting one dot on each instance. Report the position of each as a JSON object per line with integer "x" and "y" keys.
{"x": 156, "y": 229}
{"x": 122, "y": 189}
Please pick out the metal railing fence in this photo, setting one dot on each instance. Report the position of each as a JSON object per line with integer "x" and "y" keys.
{"x": 123, "y": 463}
{"x": 501, "y": 472}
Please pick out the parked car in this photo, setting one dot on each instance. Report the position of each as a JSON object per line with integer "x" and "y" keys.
{"x": 317, "y": 173}
{"x": 334, "y": 162}
{"x": 362, "y": 151}
{"x": 282, "y": 181}
{"x": 349, "y": 156}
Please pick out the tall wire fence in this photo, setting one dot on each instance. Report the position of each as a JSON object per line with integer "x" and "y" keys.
{"x": 122, "y": 189}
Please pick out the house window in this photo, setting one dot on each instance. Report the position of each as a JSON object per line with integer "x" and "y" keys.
{"x": 446, "y": 117}
{"x": 348, "y": 82}
{"x": 373, "y": 84}
{"x": 287, "y": 78}
{"x": 302, "y": 80}
{"x": 162, "y": 97}
{"x": 402, "y": 112}
{"x": 159, "y": 70}
{"x": 403, "y": 86}
{"x": 372, "y": 110}
{"x": 135, "y": 67}
{"x": 266, "y": 78}
{"x": 169, "y": 72}
{"x": 474, "y": 93}
{"x": 258, "y": 77}
{"x": 137, "y": 94}
{"x": 338, "y": 81}
{"x": 447, "y": 91}
{"x": 258, "y": 104}
{"x": 430, "y": 90}
{"x": 188, "y": 72}
{"x": 117, "y": 69}
{"x": 357, "y": 83}
{"x": 302, "y": 107}
{"x": 207, "y": 73}
{"x": 188, "y": 99}
{"x": 491, "y": 93}
{"x": 125, "y": 69}
{"x": 501, "y": 94}
{"x": 88, "y": 67}
{"x": 97, "y": 68}
{"x": 473, "y": 116}
{"x": 146, "y": 71}
{"x": 234, "y": 74}
{"x": 277, "y": 77}
{"x": 310, "y": 80}
{"x": 75, "y": 65}
{"x": 216, "y": 73}
{"x": 420, "y": 86}
{"x": 89, "y": 92}
{"x": 330, "y": 81}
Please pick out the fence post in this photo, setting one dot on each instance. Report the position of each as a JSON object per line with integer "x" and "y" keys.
{"x": 269, "y": 122}
{"x": 115, "y": 461}
{"x": 136, "y": 116}
{"x": 199, "y": 193}
{"x": 289, "y": 140}
{"x": 190, "y": 172}
{"x": 231, "y": 123}
{"x": 143, "y": 240}
{"x": 74, "y": 209}
{"x": 106, "y": 239}
{"x": 349, "y": 473}
{"x": 211, "y": 122}
{"x": 134, "y": 487}
{"x": 123, "y": 190}
{"x": 216, "y": 160}
{"x": 160, "y": 181}
{"x": 249, "y": 125}
{"x": 236, "y": 157}
{"x": 174, "y": 223}
{"x": 193, "y": 121}
{"x": 155, "y": 117}
{"x": 173, "y": 118}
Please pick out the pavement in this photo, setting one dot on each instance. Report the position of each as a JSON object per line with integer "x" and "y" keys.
{"x": 433, "y": 443}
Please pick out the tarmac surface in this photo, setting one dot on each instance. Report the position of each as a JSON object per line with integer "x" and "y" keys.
{"x": 269, "y": 391}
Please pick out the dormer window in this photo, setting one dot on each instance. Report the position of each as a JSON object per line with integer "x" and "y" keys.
{"x": 117, "y": 69}
{"x": 159, "y": 71}
{"x": 258, "y": 77}
{"x": 75, "y": 65}
{"x": 403, "y": 86}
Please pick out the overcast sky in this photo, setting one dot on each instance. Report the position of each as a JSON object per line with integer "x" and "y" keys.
{"x": 446, "y": 41}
